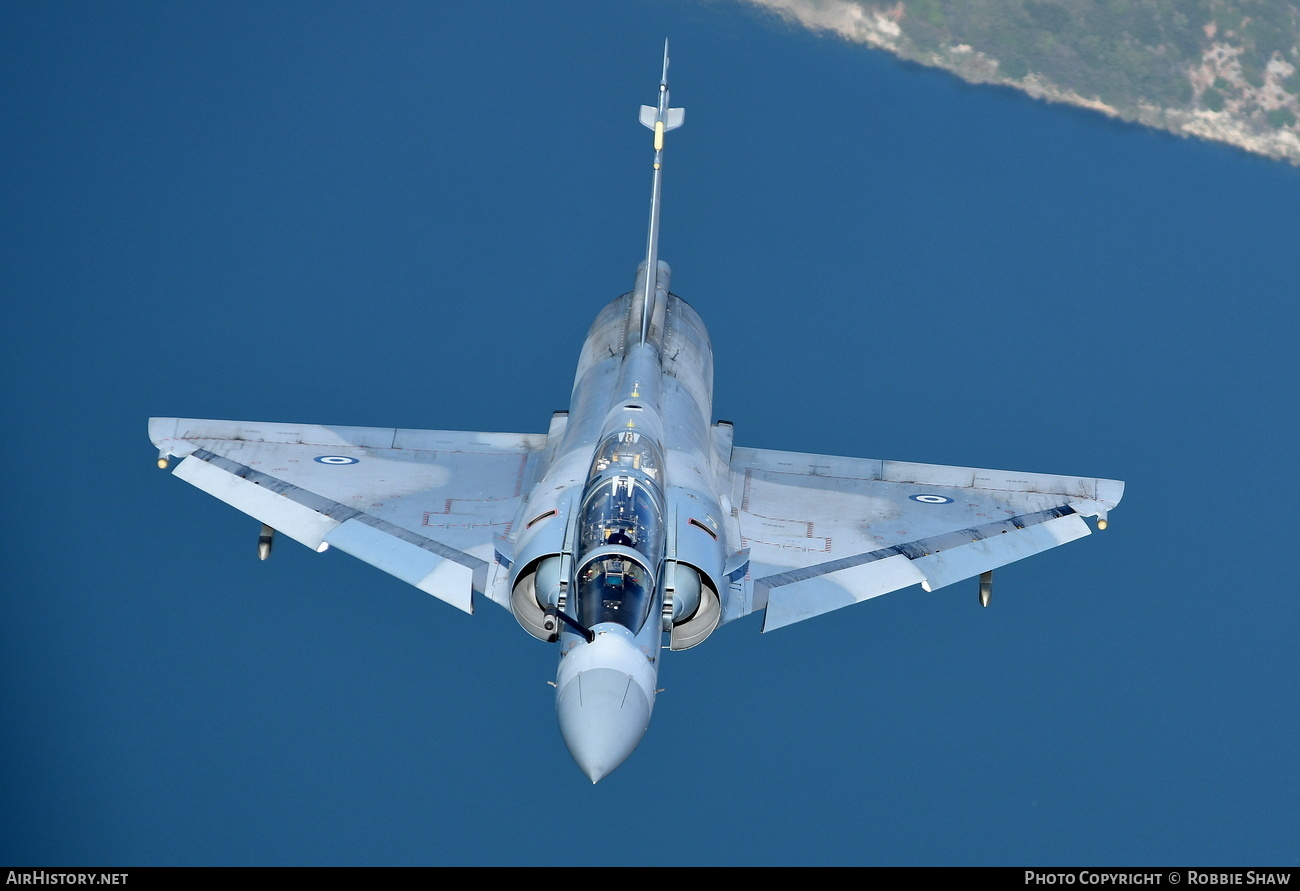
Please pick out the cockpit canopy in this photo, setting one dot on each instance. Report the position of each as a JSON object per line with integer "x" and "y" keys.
{"x": 627, "y": 452}
{"x": 614, "y": 588}
{"x": 620, "y": 532}
{"x": 623, "y": 511}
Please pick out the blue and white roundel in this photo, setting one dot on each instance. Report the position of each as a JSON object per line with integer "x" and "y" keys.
{"x": 337, "y": 460}
{"x": 924, "y": 499}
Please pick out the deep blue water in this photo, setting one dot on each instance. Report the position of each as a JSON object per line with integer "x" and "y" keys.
{"x": 403, "y": 215}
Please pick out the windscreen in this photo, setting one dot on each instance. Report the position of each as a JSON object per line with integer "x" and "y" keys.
{"x": 620, "y": 533}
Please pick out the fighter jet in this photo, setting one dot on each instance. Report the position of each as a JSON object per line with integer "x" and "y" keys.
{"x": 633, "y": 524}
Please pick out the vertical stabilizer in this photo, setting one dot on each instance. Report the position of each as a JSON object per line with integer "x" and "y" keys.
{"x": 660, "y": 119}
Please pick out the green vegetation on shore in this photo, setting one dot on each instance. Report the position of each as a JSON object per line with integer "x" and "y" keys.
{"x": 1227, "y": 70}
{"x": 1123, "y": 52}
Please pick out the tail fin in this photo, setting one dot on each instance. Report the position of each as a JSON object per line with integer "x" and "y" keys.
{"x": 660, "y": 119}
{"x": 672, "y": 120}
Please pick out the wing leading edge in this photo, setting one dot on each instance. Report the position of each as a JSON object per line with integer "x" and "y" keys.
{"x": 825, "y": 532}
{"x": 422, "y": 505}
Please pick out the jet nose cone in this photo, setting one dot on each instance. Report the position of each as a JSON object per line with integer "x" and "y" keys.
{"x": 603, "y": 714}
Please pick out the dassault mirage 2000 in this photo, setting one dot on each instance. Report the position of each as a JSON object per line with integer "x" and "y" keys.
{"x": 633, "y": 517}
